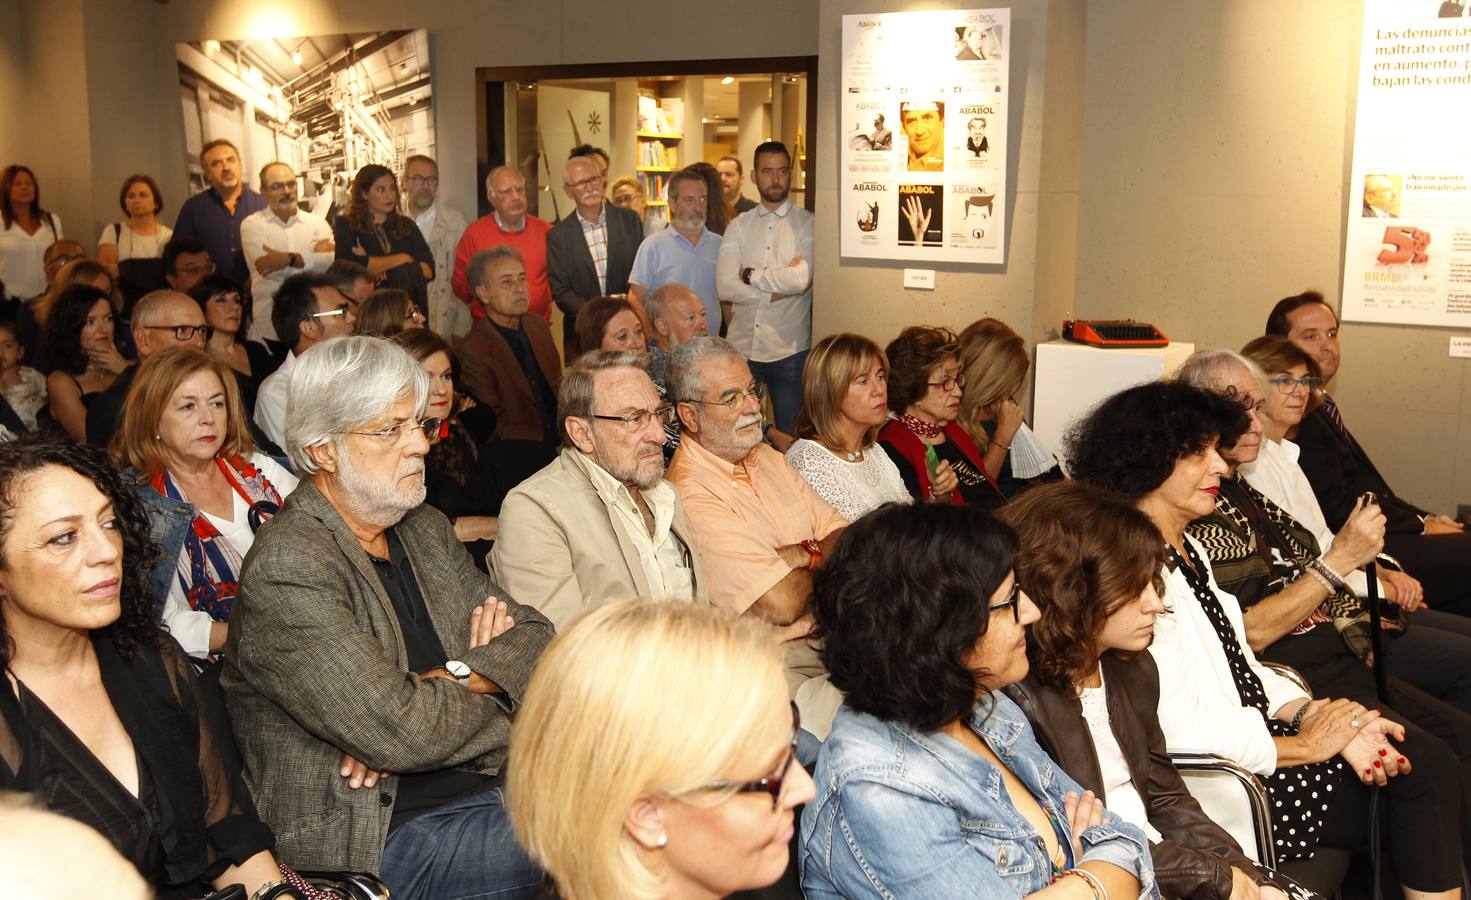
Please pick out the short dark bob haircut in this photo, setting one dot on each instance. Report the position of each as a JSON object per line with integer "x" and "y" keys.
{"x": 61, "y": 336}
{"x": 138, "y": 625}
{"x": 1084, "y": 552}
{"x": 902, "y": 602}
{"x": 917, "y": 351}
{"x": 1131, "y": 441}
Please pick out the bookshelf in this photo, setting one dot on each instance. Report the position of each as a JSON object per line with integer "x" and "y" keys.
{"x": 659, "y": 136}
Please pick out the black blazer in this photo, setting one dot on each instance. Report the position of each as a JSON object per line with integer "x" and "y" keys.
{"x": 1340, "y": 470}
{"x": 570, "y": 273}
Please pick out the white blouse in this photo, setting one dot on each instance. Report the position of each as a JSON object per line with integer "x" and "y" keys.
{"x": 23, "y": 257}
{"x": 1120, "y": 794}
{"x": 851, "y": 488}
{"x": 132, "y": 245}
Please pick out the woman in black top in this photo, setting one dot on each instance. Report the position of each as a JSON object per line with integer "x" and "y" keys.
{"x": 100, "y": 716}
{"x": 373, "y": 233}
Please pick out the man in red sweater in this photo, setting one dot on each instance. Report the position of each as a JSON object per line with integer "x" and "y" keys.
{"x": 507, "y": 224}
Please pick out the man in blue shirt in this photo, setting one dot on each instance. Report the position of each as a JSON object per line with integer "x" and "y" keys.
{"x": 684, "y": 253}
{"x": 214, "y": 216}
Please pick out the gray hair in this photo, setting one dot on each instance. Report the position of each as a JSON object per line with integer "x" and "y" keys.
{"x": 657, "y": 299}
{"x": 475, "y": 272}
{"x": 339, "y": 385}
{"x": 576, "y": 396}
{"x": 679, "y": 178}
{"x": 150, "y": 306}
{"x": 686, "y": 379}
{"x": 1213, "y": 370}
{"x": 490, "y": 177}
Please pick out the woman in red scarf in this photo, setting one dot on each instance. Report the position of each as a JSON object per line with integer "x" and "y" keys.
{"x": 187, "y": 445}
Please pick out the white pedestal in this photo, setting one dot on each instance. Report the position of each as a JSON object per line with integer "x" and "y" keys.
{"x": 1072, "y": 378}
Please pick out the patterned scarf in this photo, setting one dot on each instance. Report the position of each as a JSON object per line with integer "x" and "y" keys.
{"x": 209, "y": 566}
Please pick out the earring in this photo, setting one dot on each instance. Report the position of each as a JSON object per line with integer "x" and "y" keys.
{"x": 662, "y": 840}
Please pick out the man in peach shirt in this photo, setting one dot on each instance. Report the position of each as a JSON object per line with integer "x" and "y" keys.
{"x": 759, "y": 528}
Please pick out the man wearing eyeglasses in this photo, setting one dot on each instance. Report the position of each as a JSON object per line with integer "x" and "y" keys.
{"x": 759, "y": 528}
{"x": 509, "y": 223}
{"x": 441, "y": 226}
{"x": 186, "y": 262}
{"x": 373, "y": 670}
{"x": 600, "y": 523}
{"x": 307, "y": 310}
{"x": 161, "y": 320}
{"x": 590, "y": 251}
{"x": 280, "y": 241}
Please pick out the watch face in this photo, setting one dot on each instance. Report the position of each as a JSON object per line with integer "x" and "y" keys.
{"x": 457, "y": 669}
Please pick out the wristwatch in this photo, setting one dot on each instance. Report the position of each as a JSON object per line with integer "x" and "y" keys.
{"x": 814, "y": 550}
{"x": 746, "y": 275}
{"x": 296, "y": 261}
{"x": 460, "y": 671}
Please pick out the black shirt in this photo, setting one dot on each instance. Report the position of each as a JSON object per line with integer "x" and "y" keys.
{"x": 422, "y": 791}
{"x": 546, "y": 401}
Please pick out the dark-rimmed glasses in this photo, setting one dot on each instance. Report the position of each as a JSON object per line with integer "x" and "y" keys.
{"x": 1287, "y": 384}
{"x": 638, "y": 420}
{"x": 949, "y": 384}
{"x": 396, "y": 434}
{"x": 771, "y": 784}
{"x": 1012, "y": 600}
{"x": 184, "y": 332}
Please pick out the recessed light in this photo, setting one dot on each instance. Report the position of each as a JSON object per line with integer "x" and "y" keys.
{"x": 727, "y": 80}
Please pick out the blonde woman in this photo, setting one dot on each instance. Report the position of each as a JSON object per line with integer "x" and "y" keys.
{"x": 845, "y": 393}
{"x": 654, "y": 756}
{"x": 994, "y": 362}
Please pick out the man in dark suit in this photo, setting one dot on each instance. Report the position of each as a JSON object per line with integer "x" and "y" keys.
{"x": 590, "y": 252}
{"x": 1434, "y": 548}
{"x": 371, "y": 670}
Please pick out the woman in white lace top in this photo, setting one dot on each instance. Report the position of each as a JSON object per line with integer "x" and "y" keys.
{"x": 844, "y": 404}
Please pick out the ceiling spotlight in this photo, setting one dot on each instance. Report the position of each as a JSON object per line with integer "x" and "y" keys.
{"x": 727, "y": 80}
{"x": 296, "y": 57}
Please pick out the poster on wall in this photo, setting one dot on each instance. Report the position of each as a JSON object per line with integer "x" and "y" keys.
{"x": 1407, "y": 251}
{"x": 923, "y": 132}
{"x": 326, "y": 105}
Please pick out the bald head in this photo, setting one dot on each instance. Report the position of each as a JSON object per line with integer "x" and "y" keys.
{"x": 677, "y": 315}
{"x": 44, "y": 855}
{"x": 160, "y": 317}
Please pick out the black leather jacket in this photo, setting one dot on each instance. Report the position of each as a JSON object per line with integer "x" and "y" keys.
{"x": 1195, "y": 858}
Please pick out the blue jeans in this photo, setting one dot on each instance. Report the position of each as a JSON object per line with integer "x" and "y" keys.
{"x": 464, "y": 850}
{"x": 783, "y": 380}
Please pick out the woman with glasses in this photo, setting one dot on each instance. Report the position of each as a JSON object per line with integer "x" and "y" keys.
{"x": 654, "y": 756}
{"x": 387, "y": 312}
{"x": 188, "y": 453}
{"x": 224, "y": 311}
{"x": 78, "y": 340}
{"x": 931, "y": 783}
{"x": 935, "y": 456}
{"x": 374, "y": 234}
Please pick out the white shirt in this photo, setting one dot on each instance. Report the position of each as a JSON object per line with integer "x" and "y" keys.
{"x": 663, "y": 557}
{"x": 851, "y": 488}
{"x": 131, "y": 245}
{"x": 190, "y": 627}
{"x": 298, "y": 235}
{"x": 1120, "y": 794}
{"x": 270, "y": 401}
{"x": 1280, "y": 479}
{"x": 766, "y": 241}
{"x": 23, "y": 257}
{"x": 1199, "y": 706}
{"x": 425, "y": 219}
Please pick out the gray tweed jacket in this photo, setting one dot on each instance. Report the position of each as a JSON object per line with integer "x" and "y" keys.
{"x": 315, "y": 667}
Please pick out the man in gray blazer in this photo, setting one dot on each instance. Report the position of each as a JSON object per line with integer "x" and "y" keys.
{"x": 600, "y": 523}
{"x": 371, "y": 669}
{"x": 591, "y": 251}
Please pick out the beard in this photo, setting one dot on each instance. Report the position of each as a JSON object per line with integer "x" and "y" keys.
{"x": 776, "y": 193}
{"x": 732, "y": 446}
{"x": 377, "y": 501}
{"x": 644, "y": 478}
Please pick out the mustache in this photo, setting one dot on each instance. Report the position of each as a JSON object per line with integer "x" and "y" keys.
{"x": 744, "y": 421}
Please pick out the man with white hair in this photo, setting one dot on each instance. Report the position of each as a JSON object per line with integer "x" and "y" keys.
{"x": 600, "y": 523}
{"x": 676, "y": 315}
{"x": 760, "y": 530}
{"x": 508, "y": 223}
{"x": 372, "y": 669}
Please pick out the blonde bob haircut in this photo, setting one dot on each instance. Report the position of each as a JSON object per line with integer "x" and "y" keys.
{"x": 137, "y": 443}
{"x": 994, "y": 361}
{"x": 832, "y": 364}
{"x": 635, "y": 699}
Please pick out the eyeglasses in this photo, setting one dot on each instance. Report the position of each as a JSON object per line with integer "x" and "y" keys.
{"x": 949, "y": 384}
{"x": 196, "y": 269}
{"x": 400, "y": 432}
{"x": 281, "y": 185}
{"x": 413, "y": 315}
{"x": 590, "y": 181}
{"x": 732, "y": 397}
{"x": 1287, "y": 384}
{"x": 328, "y": 313}
{"x": 185, "y": 332}
{"x": 771, "y": 784}
{"x": 639, "y": 420}
{"x": 64, "y": 259}
{"x": 1012, "y": 600}
{"x": 431, "y": 180}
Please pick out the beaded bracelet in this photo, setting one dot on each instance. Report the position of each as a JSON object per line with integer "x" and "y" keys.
{"x": 1322, "y": 579}
{"x": 1327, "y": 572}
{"x": 1095, "y": 885}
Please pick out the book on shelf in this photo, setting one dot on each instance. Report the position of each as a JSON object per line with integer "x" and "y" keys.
{"x": 657, "y": 154}
{"x": 661, "y": 116}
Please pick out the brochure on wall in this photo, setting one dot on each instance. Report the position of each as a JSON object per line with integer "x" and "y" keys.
{"x": 923, "y": 124}
{"x": 1407, "y": 253}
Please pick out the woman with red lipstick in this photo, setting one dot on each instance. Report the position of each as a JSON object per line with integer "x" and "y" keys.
{"x": 935, "y": 456}
{"x": 844, "y": 404}
{"x": 1160, "y": 445}
{"x": 101, "y": 719}
{"x": 189, "y": 454}
{"x": 654, "y": 756}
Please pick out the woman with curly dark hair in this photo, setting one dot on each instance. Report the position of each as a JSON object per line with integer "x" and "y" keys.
{"x": 374, "y": 234}
{"x": 1159, "y": 444}
{"x": 922, "y": 623}
{"x": 78, "y": 341}
{"x": 100, "y": 716}
{"x": 935, "y": 456}
{"x": 1093, "y": 691}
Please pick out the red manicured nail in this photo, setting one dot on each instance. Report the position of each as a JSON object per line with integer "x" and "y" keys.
{"x": 1368, "y": 772}
{"x": 1383, "y": 752}
{"x": 1402, "y": 760}
{"x": 1376, "y": 763}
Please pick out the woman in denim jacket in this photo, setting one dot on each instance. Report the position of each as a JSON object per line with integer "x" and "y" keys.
{"x": 932, "y": 783}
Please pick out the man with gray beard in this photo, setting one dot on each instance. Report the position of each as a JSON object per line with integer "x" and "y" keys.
{"x": 372, "y": 670}
{"x": 600, "y": 523}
